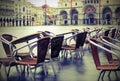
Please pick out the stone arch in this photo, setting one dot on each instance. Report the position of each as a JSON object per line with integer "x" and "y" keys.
{"x": 13, "y": 21}
{"x": 107, "y": 15}
{"x": 89, "y": 15}
{"x": 64, "y": 17}
{"x": 117, "y": 14}
{"x": 0, "y": 22}
{"x": 74, "y": 16}
{"x": 4, "y": 21}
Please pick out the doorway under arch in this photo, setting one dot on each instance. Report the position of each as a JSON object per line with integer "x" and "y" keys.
{"x": 63, "y": 15}
{"x": 117, "y": 14}
{"x": 89, "y": 15}
{"x": 74, "y": 16}
{"x": 91, "y": 18}
{"x": 107, "y": 14}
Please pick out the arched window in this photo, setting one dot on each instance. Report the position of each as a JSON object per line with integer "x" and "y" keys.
{"x": 64, "y": 17}
{"x": 23, "y": 9}
{"x": 65, "y": 4}
{"x": 107, "y": 15}
{"x": 117, "y": 14}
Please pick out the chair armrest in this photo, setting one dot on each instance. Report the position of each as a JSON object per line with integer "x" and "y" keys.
{"x": 4, "y": 40}
{"x": 28, "y": 44}
{"x": 104, "y": 48}
{"x": 106, "y": 42}
{"x": 25, "y": 38}
{"x": 96, "y": 31}
{"x": 68, "y": 40}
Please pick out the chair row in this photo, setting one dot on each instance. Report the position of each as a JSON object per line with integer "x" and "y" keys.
{"x": 42, "y": 44}
{"x": 105, "y": 43}
{"x": 47, "y": 44}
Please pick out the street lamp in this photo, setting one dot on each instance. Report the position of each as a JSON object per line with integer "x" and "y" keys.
{"x": 45, "y": 15}
{"x": 71, "y": 10}
{"x": 99, "y": 10}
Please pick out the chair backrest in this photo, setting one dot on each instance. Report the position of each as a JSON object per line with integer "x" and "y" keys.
{"x": 94, "y": 51}
{"x": 56, "y": 43}
{"x": 106, "y": 32}
{"x": 113, "y": 32}
{"x": 80, "y": 39}
{"x": 42, "y": 48}
{"x": 95, "y": 44}
{"x": 9, "y": 38}
{"x": 49, "y": 33}
{"x": 108, "y": 55}
{"x": 26, "y": 38}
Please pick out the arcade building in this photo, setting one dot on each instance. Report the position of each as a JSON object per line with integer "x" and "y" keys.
{"x": 69, "y": 12}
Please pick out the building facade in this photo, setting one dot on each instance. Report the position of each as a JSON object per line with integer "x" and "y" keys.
{"x": 88, "y": 12}
{"x": 6, "y": 12}
{"x": 19, "y": 13}
{"x": 68, "y": 12}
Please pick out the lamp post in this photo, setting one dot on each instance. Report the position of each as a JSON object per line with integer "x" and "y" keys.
{"x": 45, "y": 22}
{"x": 99, "y": 10}
{"x": 71, "y": 11}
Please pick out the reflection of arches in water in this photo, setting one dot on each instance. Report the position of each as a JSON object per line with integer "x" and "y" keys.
{"x": 20, "y": 22}
{"x": 0, "y": 21}
{"x": 4, "y": 21}
{"x": 106, "y": 14}
{"x": 64, "y": 17}
{"x": 27, "y": 23}
{"x": 74, "y": 16}
{"x": 16, "y": 22}
{"x": 23, "y": 22}
{"x": 12, "y": 22}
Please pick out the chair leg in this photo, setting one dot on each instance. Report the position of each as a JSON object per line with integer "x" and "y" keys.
{"x": 22, "y": 73}
{"x": 52, "y": 66}
{"x": 45, "y": 69}
{"x": 77, "y": 53}
{"x": 100, "y": 74}
{"x": 59, "y": 65}
{"x": 17, "y": 68}
{"x": 116, "y": 74}
{"x": 9, "y": 68}
{"x": 5, "y": 70}
{"x": 23, "y": 69}
{"x": 30, "y": 70}
{"x": 20, "y": 67}
{"x": 0, "y": 65}
{"x": 35, "y": 72}
{"x": 109, "y": 74}
{"x": 64, "y": 53}
{"x": 103, "y": 75}
{"x": 82, "y": 51}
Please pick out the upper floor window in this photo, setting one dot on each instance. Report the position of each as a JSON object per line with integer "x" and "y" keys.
{"x": 65, "y": 4}
{"x": 23, "y": 9}
{"x": 85, "y": 1}
{"x": 76, "y": 4}
{"x": 88, "y": 1}
{"x": 107, "y": 1}
{"x": 91, "y": 1}
{"x": 97, "y": 1}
